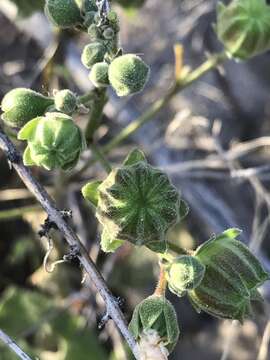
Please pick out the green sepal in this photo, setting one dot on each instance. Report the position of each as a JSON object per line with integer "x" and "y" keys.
{"x": 27, "y": 159}
{"x": 133, "y": 157}
{"x": 90, "y": 192}
{"x": 156, "y": 313}
{"x": 109, "y": 244}
{"x": 28, "y": 130}
{"x": 158, "y": 246}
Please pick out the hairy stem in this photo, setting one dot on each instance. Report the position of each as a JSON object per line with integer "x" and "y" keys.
{"x": 98, "y": 155}
{"x": 150, "y": 113}
{"x": 72, "y": 239}
{"x": 162, "y": 283}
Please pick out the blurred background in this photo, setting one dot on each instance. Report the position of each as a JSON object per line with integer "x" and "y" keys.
{"x": 213, "y": 139}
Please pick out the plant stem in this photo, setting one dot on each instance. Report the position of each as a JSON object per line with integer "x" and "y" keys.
{"x": 177, "y": 249}
{"x": 98, "y": 154}
{"x": 162, "y": 283}
{"x": 13, "y": 346}
{"x": 149, "y": 115}
{"x": 96, "y": 110}
{"x": 113, "y": 309}
{"x": 18, "y": 212}
{"x": 179, "y": 85}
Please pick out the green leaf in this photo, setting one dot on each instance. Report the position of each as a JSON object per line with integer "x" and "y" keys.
{"x": 231, "y": 233}
{"x": 90, "y": 192}
{"x": 133, "y": 157}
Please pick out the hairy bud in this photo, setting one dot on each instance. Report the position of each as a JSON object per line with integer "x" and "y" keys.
{"x": 128, "y": 74}
{"x": 65, "y": 101}
{"x": 184, "y": 273}
{"x": 154, "y": 325}
{"x": 21, "y": 105}
{"x": 137, "y": 203}
{"x": 244, "y": 27}
{"x": 231, "y": 280}
{"x": 99, "y": 75}
{"x": 54, "y": 141}
{"x": 63, "y": 13}
{"x": 92, "y": 54}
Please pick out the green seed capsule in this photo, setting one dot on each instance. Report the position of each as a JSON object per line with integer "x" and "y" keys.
{"x": 128, "y": 74}
{"x": 64, "y": 13}
{"x": 138, "y": 203}
{"x": 99, "y": 75}
{"x": 21, "y": 105}
{"x": 65, "y": 101}
{"x": 155, "y": 315}
{"x": 184, "y": 273}
{"x": 54, "y": 141}
{"x": 92, "y": 54}
{"x": 244, "y": 27}
{"x": 232, "y": 277}
{"x": 88, "y": 6}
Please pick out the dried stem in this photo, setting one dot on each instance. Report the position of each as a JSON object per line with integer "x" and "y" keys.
{"x": 55, "y": 216}
{"x": 13, "y": 346}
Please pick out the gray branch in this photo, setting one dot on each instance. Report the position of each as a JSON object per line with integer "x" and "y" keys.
{"x": 13, "y": 346}
{"x": 113, "y": 309}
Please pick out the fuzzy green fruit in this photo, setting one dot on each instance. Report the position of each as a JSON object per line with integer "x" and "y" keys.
{"x": 21, "y": 105}
{"x": 54, "y": 141}
{"x": 92, "y": 54}
{"x": 156, "y": 315}
{"x": 137, "y": 203}
{"x": 244, "y": 27}
{"x": 184, "y": 273}
{"x": 128, "y": 74}
{"x": 64, "y": 13}
{"x": 99, "y": 75}
{"x": 232, "y": 277}
{"x": 65, "y": 101}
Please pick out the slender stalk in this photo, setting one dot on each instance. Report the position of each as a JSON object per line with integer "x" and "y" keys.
{"x": 177, "y": 249}
{"x": 18, "y": 212}
{"x": 98, "y": 154}
{"x": 96, "y": 111}
{"x": 13, "y": 346}
{"x": 179, "y": 85}
{"x": 113, "y": 309}
{"x": 162, "y": 283}
{"x": 150, "y": 113}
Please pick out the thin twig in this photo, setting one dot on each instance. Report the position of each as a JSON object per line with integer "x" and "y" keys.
{"x": 55, "y": 216}
{"x": 13, "y": 346}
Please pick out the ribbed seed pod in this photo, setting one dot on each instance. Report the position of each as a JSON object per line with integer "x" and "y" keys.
{"x": 99, "y": 75}
{"x": 155, "y": 316}
{"x": 244, "y": 27}
{"x": 64, "y": 13}
{"x": 92, "y": 54}
{"x": 54, "y": 141}
{"x": 21, "y": 105}
{"x": 128, "y": 74}
{"x": 138, "y": 203}
{"x": 184, "y": 273}
{"x": 65, "y": 101}
{"x": 231, "y": 280}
